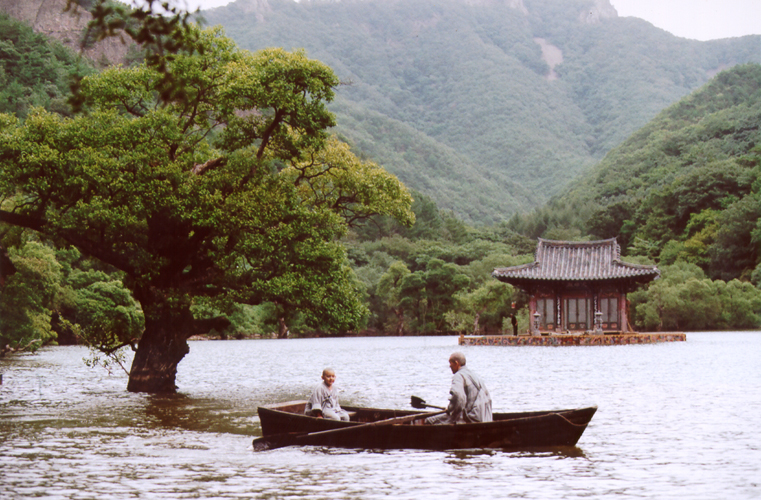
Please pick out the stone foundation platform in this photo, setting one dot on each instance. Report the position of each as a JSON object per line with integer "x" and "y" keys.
{"x": 561, "y": 340}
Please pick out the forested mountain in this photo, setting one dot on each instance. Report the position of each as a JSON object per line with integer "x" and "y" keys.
{"x": 683, "y": 191}
{"x": 684, "y": 187}
{"x": 34, "y": 71}
{"x": 487, "y": 106}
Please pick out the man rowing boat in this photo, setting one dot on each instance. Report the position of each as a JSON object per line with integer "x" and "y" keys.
{"x": 469, "y": 400}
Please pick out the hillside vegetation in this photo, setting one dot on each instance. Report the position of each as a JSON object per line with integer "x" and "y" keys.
{"x": 33, "y": 70}
{"x": 684, "y": 187}
{"x": 681, "y": 192}
{"x": 457, "y": 99}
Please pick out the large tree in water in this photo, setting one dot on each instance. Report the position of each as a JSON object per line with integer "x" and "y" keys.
{"x": 205, "y": 176}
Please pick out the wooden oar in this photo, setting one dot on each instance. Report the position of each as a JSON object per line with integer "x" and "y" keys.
{"x": 290, "y": 438}
{"x": 420, "y": 404}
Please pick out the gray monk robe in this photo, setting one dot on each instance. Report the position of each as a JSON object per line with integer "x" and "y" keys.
{"x": 469, "y": 401}
{"x": 325, "y": 399}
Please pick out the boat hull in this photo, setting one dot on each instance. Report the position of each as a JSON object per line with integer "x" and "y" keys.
{"x": 545, "y": 429}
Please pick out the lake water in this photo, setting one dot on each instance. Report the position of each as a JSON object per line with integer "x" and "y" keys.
{"x": 676, "y": 420}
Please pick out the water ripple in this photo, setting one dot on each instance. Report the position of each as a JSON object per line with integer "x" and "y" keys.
{"x": 675, "y": 421}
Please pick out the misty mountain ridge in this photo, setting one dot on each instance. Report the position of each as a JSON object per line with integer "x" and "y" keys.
{"x": 490, "y": 107}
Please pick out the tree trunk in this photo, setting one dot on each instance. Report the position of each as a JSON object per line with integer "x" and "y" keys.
{"x": 400, "y": 325}
{"x": 475, "y": 323}
{"x": 161, "y": 348}
{"x": 478, "y": 318}
{"x": 282, "y": 332}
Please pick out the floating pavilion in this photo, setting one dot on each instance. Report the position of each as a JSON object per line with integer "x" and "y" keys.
{"x": 577, "y": 296}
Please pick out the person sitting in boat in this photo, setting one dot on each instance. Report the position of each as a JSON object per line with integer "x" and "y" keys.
{"x": 324, "y": 400}
{"x": 469, "y": 400}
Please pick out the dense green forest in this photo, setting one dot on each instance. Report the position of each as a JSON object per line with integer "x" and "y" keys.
{"x": 457, "y": 100}
{"x": 684, "y": 187}
{"x": 682, "y": 192}
{"x": 33, "y": 70}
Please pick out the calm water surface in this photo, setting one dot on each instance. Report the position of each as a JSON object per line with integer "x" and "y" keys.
{"x": 679, "y": 420}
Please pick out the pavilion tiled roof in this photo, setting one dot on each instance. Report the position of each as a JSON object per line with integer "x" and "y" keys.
{"x": 577, "y": 261}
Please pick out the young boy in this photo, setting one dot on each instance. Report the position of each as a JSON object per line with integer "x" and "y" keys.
{"x": 324, "y": 400}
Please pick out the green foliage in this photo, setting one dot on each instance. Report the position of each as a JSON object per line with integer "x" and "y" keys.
{"x": 412, "y": 284}
{"x": 185, "y": 221}
{"x": 334, "y": 178}
{"x": 29, "y": 296}
{"x": 735, "y": 252}
{"x": 34, "y": 72}
{"x": 163, "y": 30}
{"x": 755, "y": 276}
{"x": 456, "y": 100}
{"x": 253, "y": 320}
{"x": 684, "y": 299}
{"x": 389, "y": 291}
{"x": 107, "y": 315}
{"x": 493, "y": 296}
{"x": 103, "y": 316}
{"x": 254, "y": 217}
{"x": 48, "y": 294}
{"x": 683, "y": 188}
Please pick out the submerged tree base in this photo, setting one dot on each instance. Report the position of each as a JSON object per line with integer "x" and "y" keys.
{"x": 154, "y": 368}
{"x": 152, "y": 384}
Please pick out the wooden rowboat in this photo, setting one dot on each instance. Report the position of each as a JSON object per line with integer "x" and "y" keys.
{"x": 512, "y": 431}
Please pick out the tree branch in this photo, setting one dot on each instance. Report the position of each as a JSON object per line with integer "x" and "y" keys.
{"x": 20, "y": 220}
{"x": 200, "y": 168}
{"x": 71, "y": 237}
{"x": 278, "y": 118}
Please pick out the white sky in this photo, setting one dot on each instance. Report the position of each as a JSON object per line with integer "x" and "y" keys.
{"x": 695, "y": 19}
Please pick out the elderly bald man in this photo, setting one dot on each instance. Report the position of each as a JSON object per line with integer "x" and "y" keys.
{"x": 469, "y": 399}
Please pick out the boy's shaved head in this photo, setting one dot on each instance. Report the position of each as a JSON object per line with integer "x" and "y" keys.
{"x": 459, "y": 357}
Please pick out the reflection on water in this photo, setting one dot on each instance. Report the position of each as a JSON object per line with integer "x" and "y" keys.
{"x": 181, "y": 411}
{"x": 678, "y": 420}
